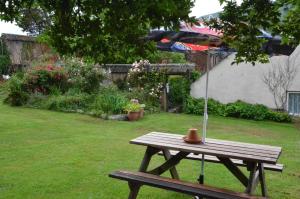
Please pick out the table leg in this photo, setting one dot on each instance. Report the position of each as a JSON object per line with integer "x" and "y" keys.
{"x": 134, "y": 190}
{"x": 262, "y": 179}
{"x": 150, "y": 151}
{"x": 173, "y": 170}
{"x": 253, "y": 178}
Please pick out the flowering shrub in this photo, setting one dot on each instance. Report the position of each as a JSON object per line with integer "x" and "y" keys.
{"x": 84, "y": 75}
{"x": 42, "y": 79}
{"x": 141, "y": 77}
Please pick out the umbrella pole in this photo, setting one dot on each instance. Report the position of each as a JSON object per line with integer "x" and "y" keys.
{"x": 205, "y": 118}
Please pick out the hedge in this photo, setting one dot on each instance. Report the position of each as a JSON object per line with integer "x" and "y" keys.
{"x": 238, "y": 109}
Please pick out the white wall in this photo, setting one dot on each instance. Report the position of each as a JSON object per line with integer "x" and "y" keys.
{"x": 294, "y": 59}
{"x": 228, "y": 83}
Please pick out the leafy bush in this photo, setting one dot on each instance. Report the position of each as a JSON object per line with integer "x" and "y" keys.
{"x": 194, "y": 75}
{"x": 247, "y": 111}
{"x": 196, "y": 106}
{"x": 37, "y": 100}
{"x": 279, "y": 116}
{"x": 179, "y": 89}
{"x": 237, "y": 109}
{"x": 169, "y": 57}
{"x": 68, "y": 103}
{"x": 110, "y": 101}
{"x": 84, "y": 75}
{"x": 17, "y": 94}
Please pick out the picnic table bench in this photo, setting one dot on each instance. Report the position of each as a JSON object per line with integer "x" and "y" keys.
{"x": 209, "y": 158}
{"x": 256, "y": 158}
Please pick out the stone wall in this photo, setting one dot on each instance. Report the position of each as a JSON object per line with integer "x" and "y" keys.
{"x": 23, "y": 49}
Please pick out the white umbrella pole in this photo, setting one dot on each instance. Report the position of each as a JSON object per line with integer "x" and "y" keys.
{"x": 205, "y": 117}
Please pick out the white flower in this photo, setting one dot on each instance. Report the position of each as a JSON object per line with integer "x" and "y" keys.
{"x": 6, "y": 77}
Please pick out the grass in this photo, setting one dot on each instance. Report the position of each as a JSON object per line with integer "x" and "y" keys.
{"x": 46, "y": 154}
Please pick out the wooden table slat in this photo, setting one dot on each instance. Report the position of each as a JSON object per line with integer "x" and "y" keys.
{"x": 180, "y": 142}
{"x": 226, "y": 142}
{"x": 219, "y": 148}
{"x": 191, "y": 149}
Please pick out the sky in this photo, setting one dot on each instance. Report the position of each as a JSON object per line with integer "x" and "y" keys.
{"x": 202, "y": 7}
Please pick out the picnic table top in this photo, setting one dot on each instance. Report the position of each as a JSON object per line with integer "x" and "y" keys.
{"x": 220, "y": 148}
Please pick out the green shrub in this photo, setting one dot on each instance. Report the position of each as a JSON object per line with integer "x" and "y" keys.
{"x": 17, "y": 94}
{"x": 193, "y": 106}
{"x": 279, "y": 116}
{"x": 84, "y": 75}
{"x": 195, "y": 75}
{"x": 196, "y": 106}
{"x": 169, "y": 57}
{"x": 36, "y": 100}
{"x": 68, "y": 103}
{"x": 110, "y": 101}
{"x": 244, "y": 110}
{"x": 237, "y": 109}
{"x": 179, "y": 89}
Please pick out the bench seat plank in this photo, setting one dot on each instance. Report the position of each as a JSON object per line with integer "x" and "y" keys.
{"x": 213, "y": 159}
{"x": 140, "y": 178}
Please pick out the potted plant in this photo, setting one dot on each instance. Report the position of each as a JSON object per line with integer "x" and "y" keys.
{"x": 133, "y": 111}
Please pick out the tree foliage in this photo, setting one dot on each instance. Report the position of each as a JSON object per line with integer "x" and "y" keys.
{"x": 241, "y": 25}
{"x": 107, "y": 30}
{"x": 33, "y": 20}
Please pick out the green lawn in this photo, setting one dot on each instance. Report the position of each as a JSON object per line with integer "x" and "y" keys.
{"x": 46, "y": 154}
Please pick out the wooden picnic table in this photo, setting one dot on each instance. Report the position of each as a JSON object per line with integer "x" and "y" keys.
{"x": 253, "y": 155}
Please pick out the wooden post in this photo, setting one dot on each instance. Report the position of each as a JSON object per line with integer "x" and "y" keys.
{"x": 165, "y": 95}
